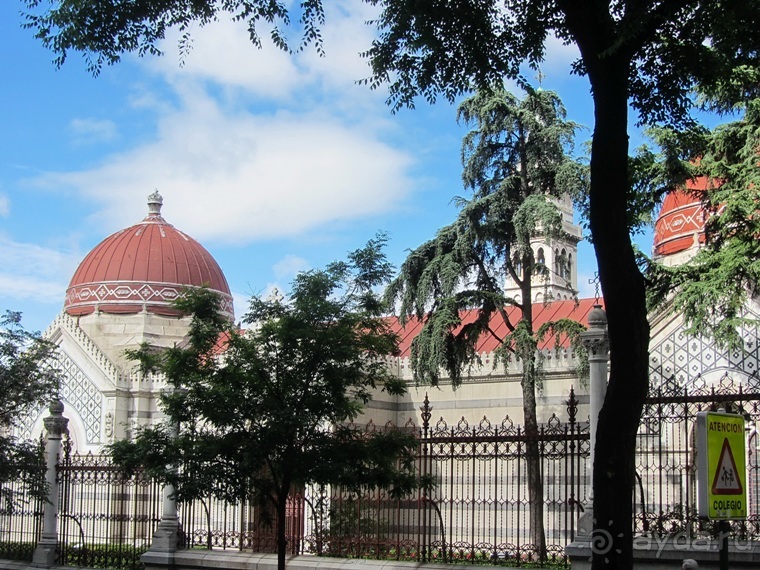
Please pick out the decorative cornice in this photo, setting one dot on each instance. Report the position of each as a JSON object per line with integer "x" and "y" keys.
{"x": 69, "y": 324}
{"x": 133, "y": 294}
{"x": 596, "y": 344}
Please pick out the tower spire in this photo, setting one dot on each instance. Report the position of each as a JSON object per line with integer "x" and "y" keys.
{"x": 155, "y": 201}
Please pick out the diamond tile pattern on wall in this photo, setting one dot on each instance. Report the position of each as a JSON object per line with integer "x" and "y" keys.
{"x": 79, "y": 391}
{"x": 681, "y": 359}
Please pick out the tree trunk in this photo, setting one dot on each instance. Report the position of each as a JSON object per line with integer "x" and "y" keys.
{"x": 282, "y": 523}
{"x": 607, "y": 60}
{"x": 532, "y": 453}
{"x": 533, "y": 458}
{"x": 624, "y": 297}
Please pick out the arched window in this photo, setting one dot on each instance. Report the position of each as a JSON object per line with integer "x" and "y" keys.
{"x": 557, "y": 264}
{"x": 540, "y": 258}
{"x": 569, "y": 266}
{"x": 517, "y": 265}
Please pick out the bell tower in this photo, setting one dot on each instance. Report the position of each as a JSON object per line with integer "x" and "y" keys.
{"x": 558, "y": 258}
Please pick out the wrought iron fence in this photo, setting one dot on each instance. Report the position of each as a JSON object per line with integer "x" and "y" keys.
{"x": 106, "y": 518}
{"x": 479, "y": 507}
{"x": 478, "y": 511}
{"x": 20, "y": 522}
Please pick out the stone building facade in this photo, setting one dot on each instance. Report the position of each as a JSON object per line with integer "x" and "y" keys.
{"x": 121, "y": 294}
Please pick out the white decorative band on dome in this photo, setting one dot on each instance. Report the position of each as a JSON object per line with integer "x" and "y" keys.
{"x": 125, "y": 294}
{"x": 690, "y": 217}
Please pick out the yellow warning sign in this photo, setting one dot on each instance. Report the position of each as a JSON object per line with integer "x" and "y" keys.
{"x": 721, "y": 467}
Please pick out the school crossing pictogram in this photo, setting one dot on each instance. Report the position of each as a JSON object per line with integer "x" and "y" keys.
{"x": 726, "y": 480}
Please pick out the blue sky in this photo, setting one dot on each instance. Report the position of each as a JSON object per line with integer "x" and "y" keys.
{"x": 275, "y": 163}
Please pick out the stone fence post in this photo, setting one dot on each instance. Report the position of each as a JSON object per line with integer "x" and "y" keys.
{"x": 55, "y": 426}
{"x": 597, "y": 345}
{"x": 166, "y": 538}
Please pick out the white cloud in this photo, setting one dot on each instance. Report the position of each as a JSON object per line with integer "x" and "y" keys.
{"x": 558, "y": 56}
{"x": 284, "y": 176}
{"x": 87, "y": 131}
{"x": 289, "y": 266}
{"x": 234, "y": 169}
{"x": 5, "y": 205}
{"x": 346, "y": 36}
{"x": 29, "y": 271}
{"x": 222, "y": 53}
{"x": 240, "y": 177}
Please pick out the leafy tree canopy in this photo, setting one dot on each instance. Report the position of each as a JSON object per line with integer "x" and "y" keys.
{"x": 28, "y": 380}
{"x": 444, "y": 48}
{"x": 448, "y": 48}
{"x": 711, "y": 290}
{"x": 267, "y": 410}
{"x": 104, "y": 30}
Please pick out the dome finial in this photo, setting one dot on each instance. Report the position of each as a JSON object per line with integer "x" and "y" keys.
{"x": 155, "y": 201}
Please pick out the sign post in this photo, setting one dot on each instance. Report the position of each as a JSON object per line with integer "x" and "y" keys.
{"x": 721, "y": 472}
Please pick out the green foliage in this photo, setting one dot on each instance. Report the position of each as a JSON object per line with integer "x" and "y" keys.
{"x": 104, "y": 30}
{"x": 10, "y": 550}
{"x": 28, "y": 380}
{"x": 266, "y": 410}
{"x": 439, "y": 48}
{"x": 113, "y": 556}
{"x": 511, "y": 133}
{"x": 353, "y": 524}
{"x": 711, "y": 290}
{"x": 516, "y": 158}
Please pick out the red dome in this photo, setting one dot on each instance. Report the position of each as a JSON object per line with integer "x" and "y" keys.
{"x": 144, "y": 267}
{"x": 681, "y": 223}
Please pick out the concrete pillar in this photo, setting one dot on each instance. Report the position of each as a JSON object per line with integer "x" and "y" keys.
{"x": 597, "y": 345}
{"x": 55, "y": 425}
{"x": 165, "y": 541}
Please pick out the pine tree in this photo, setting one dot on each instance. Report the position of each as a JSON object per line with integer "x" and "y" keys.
{"x": 711, "y": 290}
{"x": 516, "y": 163}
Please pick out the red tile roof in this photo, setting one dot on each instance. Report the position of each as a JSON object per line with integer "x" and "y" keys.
{"x": 542, "y": 313}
